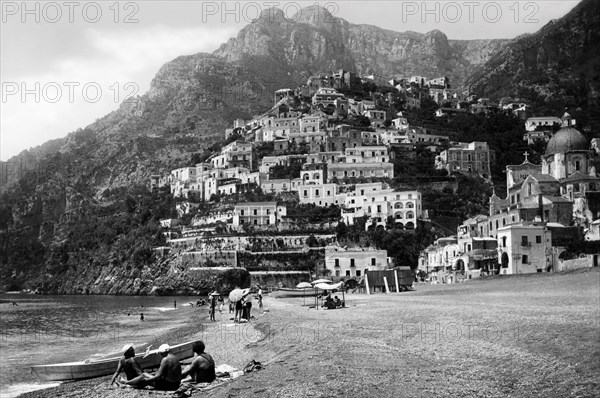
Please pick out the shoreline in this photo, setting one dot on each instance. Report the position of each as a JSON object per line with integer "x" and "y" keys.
{"x": 504, "y": 337}
{"x": 224, "y": 340}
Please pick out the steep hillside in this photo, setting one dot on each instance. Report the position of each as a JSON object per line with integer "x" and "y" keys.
{"x": 555, "y": 67}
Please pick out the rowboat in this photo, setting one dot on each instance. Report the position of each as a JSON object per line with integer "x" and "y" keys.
{"x": 104, "y": 366}
{"x": 286, "y": 292}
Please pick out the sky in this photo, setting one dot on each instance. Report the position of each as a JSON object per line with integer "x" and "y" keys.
{"x": 63, "y": 64}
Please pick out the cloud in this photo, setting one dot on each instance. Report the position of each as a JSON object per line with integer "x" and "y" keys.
{"x": 120, "y": 64}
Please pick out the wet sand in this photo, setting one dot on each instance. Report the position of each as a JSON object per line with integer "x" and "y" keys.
{"x": 518, "y": 336}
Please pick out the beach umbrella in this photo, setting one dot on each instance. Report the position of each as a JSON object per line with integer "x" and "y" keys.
{"x": 304, "y": 285}
{"x": 238, "y": 294}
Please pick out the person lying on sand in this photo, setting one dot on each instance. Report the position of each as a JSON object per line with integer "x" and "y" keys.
{"x": 202, "y": 368}
{"x": 168, "y": 377}
{"x": 129, "y": 365}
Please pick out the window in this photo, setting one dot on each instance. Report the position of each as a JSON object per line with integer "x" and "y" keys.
{"x": 268, "y": 211}
{"x": 504, "y": 241}
{"x": 316, "y": 192}
{"x": 524, "y": 240}
{"x": 525, "y": 259}
{"x": 255, "y": 222}
{"x": 347, "y": 272}
{"x": 538, "y": 239}
{"x": 337, "y": 272}
{"x": 373, "y": 261}
{"x": 305, "y": 193}
{"x": 352, "y": 262}
{"x": 337, "y": 262}
{"x": 241, "y": 212}
{"x": 255, "y": 212}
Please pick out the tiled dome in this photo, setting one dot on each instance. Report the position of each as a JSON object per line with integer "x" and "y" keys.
{"x": 567, "y": 139}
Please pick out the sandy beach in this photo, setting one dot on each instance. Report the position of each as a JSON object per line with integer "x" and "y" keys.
{"x": 517, "y": 336}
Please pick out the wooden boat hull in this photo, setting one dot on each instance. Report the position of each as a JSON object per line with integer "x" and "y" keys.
{"x": 284, "y": 293}
{"x": 82, "y": 370}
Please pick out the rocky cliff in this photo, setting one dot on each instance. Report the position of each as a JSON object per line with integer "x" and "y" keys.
{"x": 315, "y": 41}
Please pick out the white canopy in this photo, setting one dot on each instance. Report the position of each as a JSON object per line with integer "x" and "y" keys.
{"x": 327, "y": 286}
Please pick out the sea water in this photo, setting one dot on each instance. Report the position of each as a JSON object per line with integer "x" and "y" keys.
{"x": 53, "y": 329}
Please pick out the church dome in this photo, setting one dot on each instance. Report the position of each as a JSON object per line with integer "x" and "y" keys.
{"x": 567, "y": 139}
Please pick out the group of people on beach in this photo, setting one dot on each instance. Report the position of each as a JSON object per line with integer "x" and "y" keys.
{"x": 170, "y": 374}
{"x": 243, "y": 307}
{"x": 332, "y": 304}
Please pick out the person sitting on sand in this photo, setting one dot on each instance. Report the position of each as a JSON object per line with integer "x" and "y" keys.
{"x": 168, "y": 377}
{"x": 202, "y": 368}
{"x": 329, "y": 303}
{"x": 337, "y": 301}
{"x": 130, "y": 366}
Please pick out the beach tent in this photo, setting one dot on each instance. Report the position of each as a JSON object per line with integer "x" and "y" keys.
{"x": 304, "y": 285}
{"x": 321, "y": 281}
{"x": 327, "y": 286}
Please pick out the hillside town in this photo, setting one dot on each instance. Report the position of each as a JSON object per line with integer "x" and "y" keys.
{"x": 322, "y": 146}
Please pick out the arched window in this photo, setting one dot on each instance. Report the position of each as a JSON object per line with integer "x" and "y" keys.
{"x": 410, "y": 214}
{"x": 398, "y": 205}
{"x": 410, "y": 205}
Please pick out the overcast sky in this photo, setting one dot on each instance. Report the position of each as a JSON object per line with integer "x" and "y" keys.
{"x": 66, "y": 63}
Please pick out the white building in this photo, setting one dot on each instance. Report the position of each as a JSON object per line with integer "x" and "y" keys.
{"x": 524, "y": 249}
{"x": 354, "y": 262}
{"x": 258, "y": 214}
{"x": 533, "y": 123}
{"x": 367, "y": 154}
{"x": 318, "y": 194}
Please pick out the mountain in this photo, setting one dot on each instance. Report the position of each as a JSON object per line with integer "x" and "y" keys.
{"x": 192, "y": 99}
{"x": 78, "y": 212}
{"x": 555, "y": 67}
{"x": 315, "y": 41}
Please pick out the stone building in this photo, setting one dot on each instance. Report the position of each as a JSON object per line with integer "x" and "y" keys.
{"x": 471, "y": 158}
